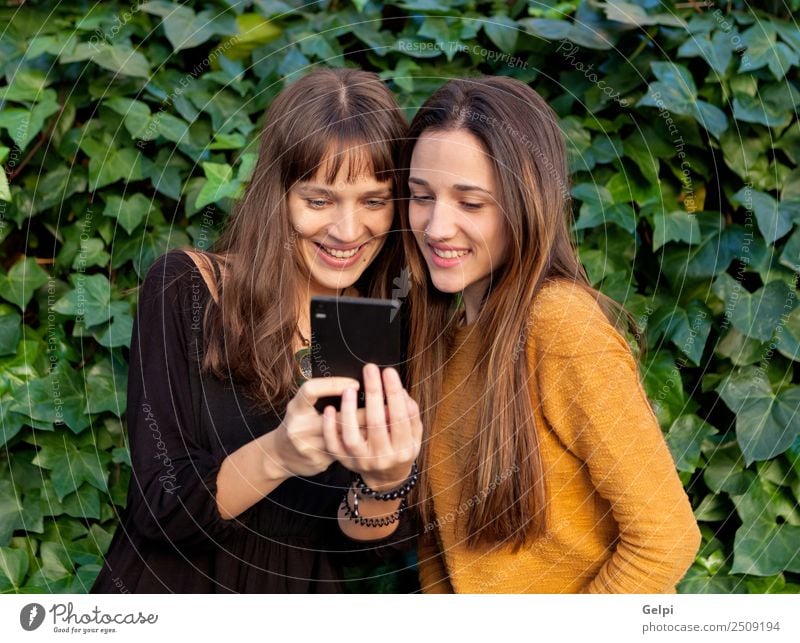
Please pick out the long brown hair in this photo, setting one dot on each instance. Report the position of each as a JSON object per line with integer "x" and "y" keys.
{"x": 521, "y": 137}
{"x": 327, "y": 118}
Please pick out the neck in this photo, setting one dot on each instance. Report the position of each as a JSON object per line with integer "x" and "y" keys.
{"x": 473, "y": 299}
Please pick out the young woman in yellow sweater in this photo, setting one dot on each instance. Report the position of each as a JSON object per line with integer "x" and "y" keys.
{"x": 543, "y": 467}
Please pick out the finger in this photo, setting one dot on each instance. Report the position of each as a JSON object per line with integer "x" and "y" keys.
{"x": 351, "y": 434}
{"x": 397, "y": 402}
{"x": 317, "y": 387}
{"x": 333, "y": 443}
{"x": 415, "y": 421}
{"x": 377, "y": 432}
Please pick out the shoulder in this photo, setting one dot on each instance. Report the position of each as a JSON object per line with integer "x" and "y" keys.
{"x": 173, "y": 263}
{"x": 171, "y": 276}
{"x": 567, "y": 320}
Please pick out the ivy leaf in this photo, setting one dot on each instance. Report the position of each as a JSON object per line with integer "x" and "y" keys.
{"x": 675, "y": 226}
{"x": 24, "y": 124}
{"x": 717, "y": 248}
{"x": 219, "y": 184}
{"x": 716, "y": 51}
{"x": 724, "y": 470}
{"x": 765, "y": 422}
{"x": 183, "y": 27}
{"x": 598, "y": 208}
{"x": 118, "y": 163}
{"x": 774, "y": 218}
{"x": 5, "y": 190}
{"x": 762, "y": 548}
{"x": 89, "y": 301}
{"x": 52, "y": 399}
{"x": 546, "y": 28}
{"x": 10, "y": 330}
{"x": 664, "y": 386}
{"x": 119, "y": 330}
{"x": 24, "y": 277}
{"x": 759, "y": 314}
{"x": 108, "y": 390}
{"x": 633, "y": 14}
{"x": 71, "y": 467}
{"x": 14, "y": 565}
{"x": 502, "y": 31}
{"x": 763, "y": 50}
{"x": 10, "y": 512}
{"x": 120, "y": 58}
{"x": 136, "y": 114}
{"x": 128, "y": 212}
{"x": 684, "y": 438}
{"x": 676, "y": 92}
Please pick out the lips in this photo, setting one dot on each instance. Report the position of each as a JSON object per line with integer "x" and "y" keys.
{"x": 447, "y": 256}
{"x": 340, "y": 257}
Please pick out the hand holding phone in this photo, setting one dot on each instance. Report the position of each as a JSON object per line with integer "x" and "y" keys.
{"x": 393, "y": 431}
{"x": 349, "y": 332}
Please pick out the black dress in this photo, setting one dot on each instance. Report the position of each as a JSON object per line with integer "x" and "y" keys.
{"x": 181, "y": 426}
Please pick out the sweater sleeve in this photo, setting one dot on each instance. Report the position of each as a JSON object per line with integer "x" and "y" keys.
{"x": 593, "y": 399}
{"x": 172, "y": 493}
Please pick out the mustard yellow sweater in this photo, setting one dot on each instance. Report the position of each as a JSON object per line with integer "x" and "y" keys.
{"x": 620, "y": 521}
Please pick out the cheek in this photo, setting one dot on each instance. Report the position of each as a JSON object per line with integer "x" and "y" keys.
{"x": 417, "y": 218}
{"x": 379, "y": 221}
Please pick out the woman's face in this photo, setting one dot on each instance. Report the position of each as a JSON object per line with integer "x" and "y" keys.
{"x": 340, "y": 226}
{"x": 454, "y": 212}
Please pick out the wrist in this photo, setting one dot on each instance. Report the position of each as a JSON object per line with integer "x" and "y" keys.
{"x": 382, "y": 481}
{"x": 273, "y": 464}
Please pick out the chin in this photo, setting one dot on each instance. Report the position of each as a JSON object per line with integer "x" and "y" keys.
{"x": 448, "y": 286}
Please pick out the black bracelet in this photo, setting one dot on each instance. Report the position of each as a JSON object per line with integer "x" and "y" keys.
{"x": 393, "y": 494}
{"x": 352, "y": 513}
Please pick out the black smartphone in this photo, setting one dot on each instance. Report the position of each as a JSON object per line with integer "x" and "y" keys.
{"x": 349, "y": 332}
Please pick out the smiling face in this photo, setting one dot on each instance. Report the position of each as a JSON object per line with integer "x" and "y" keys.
{"x": 341, "y": 226}
{"x": 454, "y": 213}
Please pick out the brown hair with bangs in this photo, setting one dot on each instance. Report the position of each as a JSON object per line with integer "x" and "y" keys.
{"x": 521, "y": 137}
{"x": 329, "y": 118}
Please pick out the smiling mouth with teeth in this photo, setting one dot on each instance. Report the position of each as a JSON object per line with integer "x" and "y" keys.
{"x": 449, "y": 254}
{"x": 340, "y": 254}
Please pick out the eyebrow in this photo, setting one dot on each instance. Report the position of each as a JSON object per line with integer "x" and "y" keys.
{"x": 460, "y": 187}
{"x": 320, "y": 189}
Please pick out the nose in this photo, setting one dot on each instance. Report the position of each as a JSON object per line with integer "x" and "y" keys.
{"x": 441, "y": 224}
{"x": 347, "y": 226}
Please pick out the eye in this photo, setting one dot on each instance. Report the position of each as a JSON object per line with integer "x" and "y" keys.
{"x": 376, "y": 203}
{"x": 421, "y": 198}
{"x": 471, "y": 206}
{"x": 316, "y": 204}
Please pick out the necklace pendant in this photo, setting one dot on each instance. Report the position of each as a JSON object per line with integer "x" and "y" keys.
{"x": 303, "y": 357}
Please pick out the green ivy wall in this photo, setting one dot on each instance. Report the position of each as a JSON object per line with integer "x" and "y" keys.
{"x": 127, "y": 129}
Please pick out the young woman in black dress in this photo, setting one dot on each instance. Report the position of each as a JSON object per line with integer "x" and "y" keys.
{"x": 238, "y": 484}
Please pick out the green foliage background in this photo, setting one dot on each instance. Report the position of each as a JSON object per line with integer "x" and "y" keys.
{"x": 129, "y": 128}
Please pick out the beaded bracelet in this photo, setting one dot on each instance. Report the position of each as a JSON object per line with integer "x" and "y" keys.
{"x": 352, "y": 513}
{"x": 400, "y": 492}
